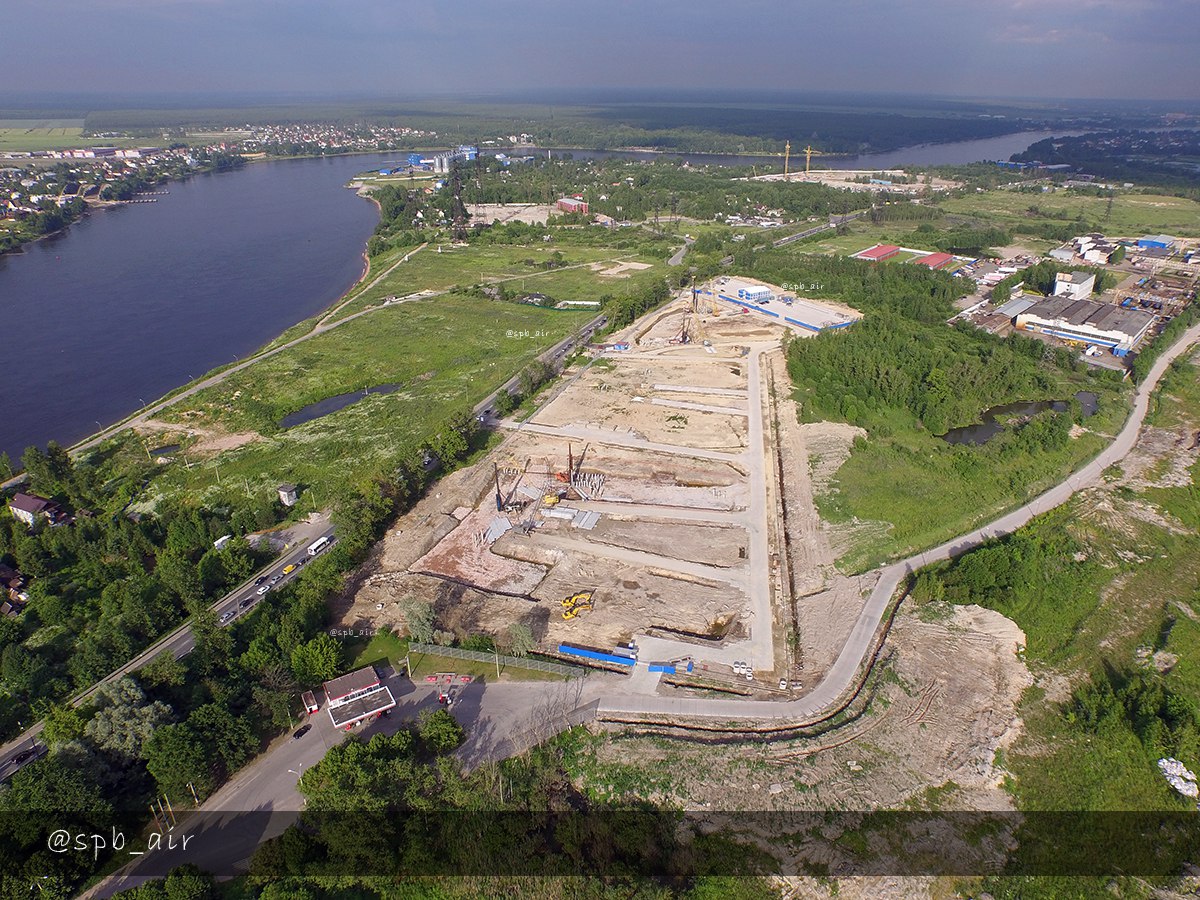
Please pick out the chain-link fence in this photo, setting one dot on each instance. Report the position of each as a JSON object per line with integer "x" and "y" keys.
{"x": 520, "y": 662}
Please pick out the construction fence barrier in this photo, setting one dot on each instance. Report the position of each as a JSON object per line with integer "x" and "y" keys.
{"x": 519, "y": 662}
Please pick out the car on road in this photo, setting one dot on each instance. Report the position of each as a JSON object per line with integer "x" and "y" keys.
{"x": 301, "y": 732}
{"x": 260, "y": 579}
{"x": 244, "y": 602}
{"x": 226, "y": 616}
{"x": 275, "y": 579}
{"x": 262, "y": 590}
{"x": 24, "y": 756}
{"x": 289, "y": 569}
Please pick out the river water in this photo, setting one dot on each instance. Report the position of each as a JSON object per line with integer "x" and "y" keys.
{"x": 953, "y": 153}
{"x": 133, "y": 302}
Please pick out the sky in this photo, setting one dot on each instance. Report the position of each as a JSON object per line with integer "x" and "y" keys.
{"x": 979, "y": 48}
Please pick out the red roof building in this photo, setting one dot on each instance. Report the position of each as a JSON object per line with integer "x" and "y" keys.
{"x": 572, "y": 205}
{"x": 356, "y": 697}
{"x": 879, "y": 251}
{"x": 934, "y": 260}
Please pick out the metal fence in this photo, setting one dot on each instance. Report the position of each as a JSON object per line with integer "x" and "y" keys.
{"x": 520, "y": 662}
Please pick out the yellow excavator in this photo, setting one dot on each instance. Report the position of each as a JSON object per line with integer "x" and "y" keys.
{"x": 576, "y": 603}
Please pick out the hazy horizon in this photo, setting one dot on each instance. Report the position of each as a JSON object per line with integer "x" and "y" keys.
{"x": 1028, "y": 49}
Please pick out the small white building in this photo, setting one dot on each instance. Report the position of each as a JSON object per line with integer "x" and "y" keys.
{"x": 1074, "y": 285}
{"x": 288, "y": 494}
{"x": 356, "y": 697}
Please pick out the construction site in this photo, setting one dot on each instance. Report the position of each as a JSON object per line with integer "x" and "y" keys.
{"x": 660, "y": 499}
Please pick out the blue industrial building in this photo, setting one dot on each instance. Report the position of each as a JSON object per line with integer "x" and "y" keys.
{"x": 1157, "y": 241}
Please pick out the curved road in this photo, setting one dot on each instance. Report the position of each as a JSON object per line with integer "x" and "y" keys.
{"x": 844, "y": 671}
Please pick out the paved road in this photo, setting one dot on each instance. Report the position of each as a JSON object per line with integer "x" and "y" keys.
{"x": 842, "y": 674}
{"x": 677, "y": 259}
{"x": 500, "y": 720}
{"x": 180, "y": 642}
{"x": 554, "y": 356}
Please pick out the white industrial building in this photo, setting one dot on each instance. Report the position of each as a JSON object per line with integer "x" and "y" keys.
{"x": 358, "y": 696}
{"x": 1074, "y": 285}
{"x": 1087, "y": 322}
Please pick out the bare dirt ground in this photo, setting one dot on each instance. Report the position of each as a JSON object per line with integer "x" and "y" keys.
{"x": 620, "y": 396}
{"x": 529, "y": 213}
{"x": 620, "y": 270}
{"x": 211, "y": 441}
{"x": 928, "y": 741}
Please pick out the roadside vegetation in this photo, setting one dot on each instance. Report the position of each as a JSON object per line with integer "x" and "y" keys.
{"x": 1107, "y": 591}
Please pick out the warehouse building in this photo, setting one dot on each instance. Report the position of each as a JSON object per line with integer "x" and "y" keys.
{"x": 934, "y": 260}
{"x": 878, "y": 252}
{"x": 1074, "y": 285}
{"x": 357, "y": 696}
{"x": 1087, "y": 322}
{"x": 572, "y": 205}
{"x": 1156, "y": 241}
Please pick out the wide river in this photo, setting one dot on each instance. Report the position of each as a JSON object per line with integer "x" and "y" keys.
{"x": 133, "y": 302}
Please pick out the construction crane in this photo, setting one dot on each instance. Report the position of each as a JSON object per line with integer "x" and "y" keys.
{"x": 809, "y": 153}
{"x": 504, "y": 502}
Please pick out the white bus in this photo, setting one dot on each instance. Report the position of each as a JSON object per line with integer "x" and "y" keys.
{"x": 318, "y": 545}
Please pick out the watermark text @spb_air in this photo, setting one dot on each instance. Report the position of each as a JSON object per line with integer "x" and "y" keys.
{"x": 63, "y": 840}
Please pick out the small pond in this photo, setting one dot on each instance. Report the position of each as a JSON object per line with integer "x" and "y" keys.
{"x": 333, "y": 404}
{"x": 994, "y": 418}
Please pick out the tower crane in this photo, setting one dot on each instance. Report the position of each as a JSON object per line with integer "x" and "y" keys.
{"x": 809, "y": 153}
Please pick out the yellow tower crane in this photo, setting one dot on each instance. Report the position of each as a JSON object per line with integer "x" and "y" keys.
{"x": 809, "y": 153}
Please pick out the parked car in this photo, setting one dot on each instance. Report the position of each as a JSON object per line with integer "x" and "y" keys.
{"x": 301, "y": 732}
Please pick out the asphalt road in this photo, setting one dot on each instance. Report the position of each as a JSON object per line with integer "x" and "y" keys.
{"x": 262, "y": 800}
{"x": 179, "y": 642}
{"x": 677, "y": 259}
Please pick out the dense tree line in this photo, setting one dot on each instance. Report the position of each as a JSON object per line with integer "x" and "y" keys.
{"x": 970, "y": 241}
{"x": 104, "y": 587}
{"x": 622, "y": 311}
{"x": 940, "y": 376}
{"x": 912, "y": 291}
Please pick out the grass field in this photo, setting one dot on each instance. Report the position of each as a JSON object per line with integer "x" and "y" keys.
{"x": 893, "y": 480}
{"x": 1132, "y": 214}
{"x": 435, "y": 270}
{"x": 1148, "y": 596}
{"x": 448, "y": 354}
{"x": 430, "y": 664}
{"x": 25, "y": 135}
{"x": 384, "y": 648}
